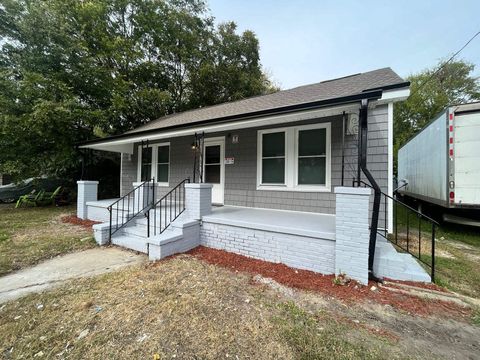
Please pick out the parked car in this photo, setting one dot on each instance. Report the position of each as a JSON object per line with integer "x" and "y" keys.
{"x": 12, "y": 192}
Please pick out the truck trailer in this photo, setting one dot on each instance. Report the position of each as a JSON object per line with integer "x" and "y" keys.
{"x": 441, "y": 164}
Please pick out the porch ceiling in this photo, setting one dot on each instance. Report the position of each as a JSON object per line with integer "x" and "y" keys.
{"x": 125, "y": 145}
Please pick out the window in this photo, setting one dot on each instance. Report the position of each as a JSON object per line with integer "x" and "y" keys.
{"x": 163, "y": 162}
{"x": 312, "y": 157}
{"x": 146, "y": 164}
{"x": 154, "y": 162}
{"x": 273, "y": 158}
{"x": 294, "y": 158}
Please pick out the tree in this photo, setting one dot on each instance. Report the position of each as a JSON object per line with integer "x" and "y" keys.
{"x": 70, "y": 69}
{"x": 430, "y": 92}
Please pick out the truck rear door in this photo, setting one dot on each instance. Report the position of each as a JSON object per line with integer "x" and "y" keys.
{"x": 467, "y": 158}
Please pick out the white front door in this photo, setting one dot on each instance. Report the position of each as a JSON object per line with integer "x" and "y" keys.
{"x": 214, "y": 167}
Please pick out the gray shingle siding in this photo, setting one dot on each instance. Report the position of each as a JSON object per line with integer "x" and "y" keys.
{"x": 241, "y": 177}
{"x": 128, "y": 172}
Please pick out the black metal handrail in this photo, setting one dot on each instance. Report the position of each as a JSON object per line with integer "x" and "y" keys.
{"x": 407, "y": 242}
{"x": 167, "y": 209}
{"x": 134, "y": 206}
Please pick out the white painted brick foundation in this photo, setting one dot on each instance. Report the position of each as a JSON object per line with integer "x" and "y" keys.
{"x": 86, "y": 191}
{"x": 296, "y": 251}
{"x": 352, "y": 232}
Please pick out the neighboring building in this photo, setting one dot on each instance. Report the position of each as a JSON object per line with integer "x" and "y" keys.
{"x": 286, "y": 151}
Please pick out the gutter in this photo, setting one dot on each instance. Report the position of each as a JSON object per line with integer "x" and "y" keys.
{"x": 369, "y": 95}
{"x": 362, "y": 161}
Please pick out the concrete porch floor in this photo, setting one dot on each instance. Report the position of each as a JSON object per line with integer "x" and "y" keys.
{"x": 288, "y": 222}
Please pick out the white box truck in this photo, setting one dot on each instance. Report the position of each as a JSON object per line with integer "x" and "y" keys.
{"x": 441, "y": 164}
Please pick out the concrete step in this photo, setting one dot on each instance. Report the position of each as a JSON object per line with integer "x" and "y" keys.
{"x": 396, "y": 265}
{"x": 139, "y": 231}
{"x": 182, "y": 235}
{"x": 130, "y": 241}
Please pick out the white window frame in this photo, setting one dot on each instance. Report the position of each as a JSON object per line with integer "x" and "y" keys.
{"x": 260, "y": 162}
{"x": 291, "y": 159}
{"x": 154, "y": 148}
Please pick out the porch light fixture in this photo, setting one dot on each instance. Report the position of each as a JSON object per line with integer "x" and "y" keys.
{"x": 194, "y": 145}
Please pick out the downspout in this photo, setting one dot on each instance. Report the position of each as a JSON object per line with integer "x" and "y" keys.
{"x": 363, "y": 120}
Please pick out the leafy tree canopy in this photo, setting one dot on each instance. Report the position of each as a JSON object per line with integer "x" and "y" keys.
{"x": 73, "y": 69}
{"x": 430, "y": 92}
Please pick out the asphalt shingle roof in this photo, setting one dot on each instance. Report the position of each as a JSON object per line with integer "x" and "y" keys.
{"x": 325, "y": 90}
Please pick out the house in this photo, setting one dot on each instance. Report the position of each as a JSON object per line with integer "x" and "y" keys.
{"x": 268, "y": 177}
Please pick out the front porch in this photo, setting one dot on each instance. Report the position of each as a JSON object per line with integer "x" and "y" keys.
{"x": 314, "y": 225}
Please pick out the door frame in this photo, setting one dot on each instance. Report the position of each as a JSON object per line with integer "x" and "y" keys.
{"x": 219, "y": 140}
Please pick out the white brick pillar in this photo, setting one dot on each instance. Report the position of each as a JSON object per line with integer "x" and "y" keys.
{"x": 352, "y": 232}
{"x": 198, "y": 200}
{"x": 86, "y": 191}
{"x": 143, "y": 195}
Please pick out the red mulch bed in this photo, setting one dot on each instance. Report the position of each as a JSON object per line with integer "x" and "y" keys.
{"x": 72, "y": 219}
{"x": 309, "y": 280}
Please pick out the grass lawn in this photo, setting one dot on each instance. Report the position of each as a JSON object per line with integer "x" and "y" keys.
{"x": 457, "y": 252}
{"x": 30, "y": 235}
{"x": 185, "y": 308}
{"x": 458, "y": 259}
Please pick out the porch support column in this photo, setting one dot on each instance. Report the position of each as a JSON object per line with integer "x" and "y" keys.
{"x": 198, "y": 200}
{"x": 86, "y": 191}
{"x": 352, "y": 232}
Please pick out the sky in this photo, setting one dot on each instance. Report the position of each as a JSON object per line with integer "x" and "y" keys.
{"x": 307, "y": 41}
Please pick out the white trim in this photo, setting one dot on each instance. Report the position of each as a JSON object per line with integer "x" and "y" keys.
{"x": 326, "y": 187}
{"x": 391, "y": 96}
{"x": 219, "y": 140}
{"x": 260, "y": 157}
{"x": 154, "y": 166}
{"x": 121, "y": 174}
{"x": 390, "y": 167}
{"x": 291, "y": 160}
{"x": 125, "y": 145}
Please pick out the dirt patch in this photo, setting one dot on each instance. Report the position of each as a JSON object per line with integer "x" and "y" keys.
{"x": 444, "y": 253}
{"x": 420, "y": 285}
{"x": 73, "y": 219}
{"x": 350, "y": 292}
{"x": 470, "y": 252}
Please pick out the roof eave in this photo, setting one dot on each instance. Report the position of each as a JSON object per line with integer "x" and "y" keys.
{"x": 374, "y": 94}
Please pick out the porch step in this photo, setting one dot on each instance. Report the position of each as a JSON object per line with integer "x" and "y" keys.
{"x": 182, "y": 235}
{"x": 132, "y": 242}
{"x": 135, "y": 230}
{"x": 392, "y": 264}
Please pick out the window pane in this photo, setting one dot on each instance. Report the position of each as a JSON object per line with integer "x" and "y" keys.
{"x": 163, "y": 154}
{"x": 311, "y": 171}
{"x": 146, "y": 155}
{"x": 273, "y": 144}
{"x": 146, "y": 172}
{"x": 212, "y": 174}
{"x": 273, "y": 171}
{"x": 212, "y": 154}
{"x": 312, "y": 142}
{"x": 162, "y": 173}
